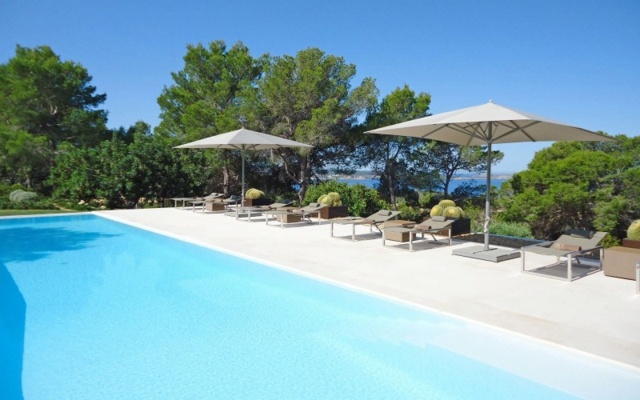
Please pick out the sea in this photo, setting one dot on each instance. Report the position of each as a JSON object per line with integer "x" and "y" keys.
{"x": 455, "y": 183}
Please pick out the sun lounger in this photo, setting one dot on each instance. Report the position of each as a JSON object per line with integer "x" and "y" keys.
{"x": 374, "y": 220}
{"x": 429, "y": 226}
{"x": 571, "y": 245}
{"x": 204, "y": 202}
{"x": 184, "y": 200}
{"x": 248, "y": 212}
{"x": 296, "y": 214}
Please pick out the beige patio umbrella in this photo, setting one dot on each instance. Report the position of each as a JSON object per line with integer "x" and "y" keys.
{"x": 243, "y": 140}
{"x": 486, "y": 125}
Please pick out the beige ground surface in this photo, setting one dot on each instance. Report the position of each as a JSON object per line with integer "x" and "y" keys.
{"x": 598, "y": 315}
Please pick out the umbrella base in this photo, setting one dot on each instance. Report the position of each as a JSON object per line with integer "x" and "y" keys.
{"x": 493, "y": 254}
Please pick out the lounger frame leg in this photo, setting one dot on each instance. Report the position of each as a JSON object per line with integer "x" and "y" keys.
{"x": 638, "y": 278}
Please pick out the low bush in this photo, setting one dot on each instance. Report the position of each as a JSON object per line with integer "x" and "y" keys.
{"x": 22, "y": 196}
{"x": 515, "y": 229}
{"x": 360, "y": 200}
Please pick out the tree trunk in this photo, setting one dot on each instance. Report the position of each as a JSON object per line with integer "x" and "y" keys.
{"x": 305, "y": 173}
{"x": 392, "y": 192}
{"x": 225, "y": 181}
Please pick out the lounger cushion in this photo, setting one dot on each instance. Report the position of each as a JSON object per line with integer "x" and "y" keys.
{"x": 567, "y": 247}
{"x": 580, "y": 233}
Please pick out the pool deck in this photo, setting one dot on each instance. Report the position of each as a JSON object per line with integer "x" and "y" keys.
{"x": 597, "y": 315}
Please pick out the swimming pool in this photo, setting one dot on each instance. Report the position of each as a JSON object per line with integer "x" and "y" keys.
{"x": 94, "y": 309}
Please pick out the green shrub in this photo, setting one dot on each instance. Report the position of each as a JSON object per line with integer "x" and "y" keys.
{"x": 325, "y": 200}
{"x": 436, "y": 211}
{"x": 447, "y": 203}
{"x": 21, "y": 196}
{"x": 254, "y": 194}
{"x": 515, "y": 229}
{"x": 410, "y": 213}
{"x": 331, "y": 199}
{"x": 452, "y": 212}
{"x": 633, "y": 232}
{"x": 360, "y": 200}
{"x": 335, "y": 196}
{"x": 448, "y": 209}
{"x": 5, "y": 190}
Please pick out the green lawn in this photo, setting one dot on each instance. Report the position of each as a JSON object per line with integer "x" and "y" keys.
{"x": 4, "y": 213}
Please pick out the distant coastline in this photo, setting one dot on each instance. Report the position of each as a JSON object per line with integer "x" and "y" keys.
{"x": 367, "y": 175}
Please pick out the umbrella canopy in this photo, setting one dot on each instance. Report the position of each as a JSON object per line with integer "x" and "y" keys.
{"x": 485, "y": 125}
{"x": 242, "y": 139}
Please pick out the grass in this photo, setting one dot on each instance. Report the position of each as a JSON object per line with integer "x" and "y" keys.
{"x": 6, "y": 213}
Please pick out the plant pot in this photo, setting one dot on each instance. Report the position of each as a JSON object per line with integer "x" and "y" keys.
{"x": 215, "y": 206}
{"x": 334, "y": 212}
{"x": 257, "y": 202}
{"x": 634, "y": 244}
{"x": 459, "y": 227}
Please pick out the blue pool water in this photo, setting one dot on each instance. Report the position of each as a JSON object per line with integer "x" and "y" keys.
{"x": 95, "y": 309}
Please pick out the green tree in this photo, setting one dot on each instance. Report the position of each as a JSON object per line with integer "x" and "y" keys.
{"x": 443, "y": 161}
{"x": 359, "y": 199}
{"x": 23, "y": 157}
{"x": 45, "y": 100}
{"x": 206, "y": 98}
{"x": 388, "y": 156}
{"x": 116, "y": 174}
{"x": 308, "y": 98}
{"x": 158, "y": 172}
{"x": 568, "y": 185}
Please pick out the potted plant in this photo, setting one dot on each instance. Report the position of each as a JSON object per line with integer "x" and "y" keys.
{"x": 334, "y": 207}
{"x": 633, "y": 235}
{"x": 254, "y": 197}
{"x": 448, "y": 209}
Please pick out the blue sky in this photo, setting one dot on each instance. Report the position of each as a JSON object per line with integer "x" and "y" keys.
{"x": 572, "y": 61}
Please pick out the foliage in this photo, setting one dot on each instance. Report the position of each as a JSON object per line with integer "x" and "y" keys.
{"x": 442, "y": 161}
{"x": 452, "y": 212}
{"x": 5, "y": 212}
{"x": 447, "y": 203}
{"x": 409, "y": 212}
{"x": 207, "y": 98}
{"x": 5, "y": 190}
{"x": 44, "y": 102}
{"x": 116, "y": 175}
{"x": 476, "y": 217}
{"x": 14, "y": 198}
{"x": 308, "y": 98}
{"x": 469, "y": 190}
{"x": 437, "y": 211}
{"x": 570, "y": 185}
{"x": 633, "y": 232}
{"x": 447, "y": 208}
{"x": 254, "y": 194}
{"x": 330, "y": 199}
{"x": 388, "y": 155}
{"x": 21, "y": 196}
{"x": 516, "y": 229}
{"x": 359, "y": 199}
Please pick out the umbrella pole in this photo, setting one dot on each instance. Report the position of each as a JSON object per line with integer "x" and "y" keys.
{"x": 487, "y": 210}
{"x": 242, "y": 187}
